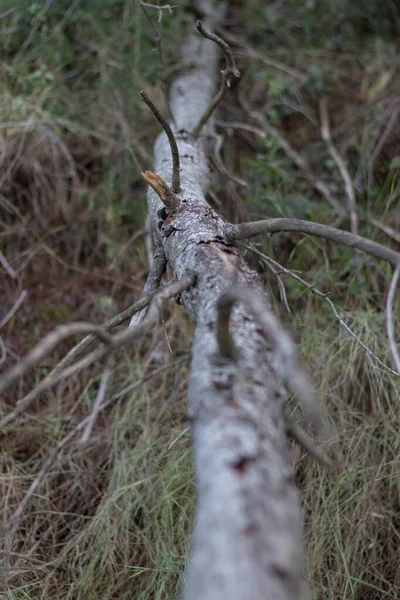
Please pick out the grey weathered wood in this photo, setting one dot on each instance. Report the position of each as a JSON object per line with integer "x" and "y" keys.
{"x": 247, "y": 535}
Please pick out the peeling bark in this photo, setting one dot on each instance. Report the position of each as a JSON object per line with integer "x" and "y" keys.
{"x": 247, "y": 536}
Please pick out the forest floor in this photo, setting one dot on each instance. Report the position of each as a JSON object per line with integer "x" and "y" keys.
{"x": 111, "y": 518}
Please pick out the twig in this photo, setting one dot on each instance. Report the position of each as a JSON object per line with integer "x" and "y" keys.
{"x": 14, "y": 309}
{"x": 282, "y": 291}
{"x": 166, "y": 195}
{"x": 178, "y": 438}
{"x": 4, "y": 262}
{"x": 246, "y": 230}
{"x": 285, "y": 362}
{"x": 343, "y": 170}
{"x": 389, "y": 317}
{"x": 304, "y": 440}
{"x": 153, "y": 280}
{"x": 388, "y": 129}
{"x": 118, "y": 341}
{"x": 148, "y": 241}
{"x": 47, "y": 345}
{"x": 230, "y": 73}
{"x": 230, "y": 61}
{"x": 105, "y": 377}
{"x": 395, "y": 235}
{"x": 3, "y": 351}
{"x": 167, "y": 7}
{"x": 325, "y": 297}
{"x": 176, "y": 176}
{"x": 220, "y": 163}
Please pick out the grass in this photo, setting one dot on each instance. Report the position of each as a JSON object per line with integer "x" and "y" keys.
{"x": 112, "y": 518}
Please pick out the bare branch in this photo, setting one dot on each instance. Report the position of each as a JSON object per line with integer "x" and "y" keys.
{"x": 247, "y": 230}
{"x": 282, "y": 290}
{"x": 105, "y": 378}
{"x": 176, "y": 176}
{"x": 157, "y": 270}
{"x": 304, "y": 440}
{"x": 166, "y": 195}
{"x": 286, "y": 362}
{"x": 4, "y": 262}
{"x": 325, "y": 297}
{"x": 14, "y": 309}
{"x": 3, "y": 351}
{"x": 230, "y": 61}
{"x": 388, "y": 129}
{"x": 118, "y": 341}
{"x": 389, "y": 317}
{"x": 343, "y": 170}
{"x": 47, "y": 345}
{"x": 230, "y": 73}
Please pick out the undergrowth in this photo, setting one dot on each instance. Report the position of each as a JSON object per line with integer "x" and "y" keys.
{"x": 112, "y": 518}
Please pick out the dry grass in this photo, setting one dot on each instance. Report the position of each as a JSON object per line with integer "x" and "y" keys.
{"x": 111, "y": 518}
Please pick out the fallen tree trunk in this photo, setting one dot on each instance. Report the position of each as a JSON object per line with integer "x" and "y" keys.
{"x": 247, "y": 535}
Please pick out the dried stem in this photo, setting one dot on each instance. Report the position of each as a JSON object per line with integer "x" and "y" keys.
{"x": 105, "y": 378}
{"x": 325, "y": 297}
{"x": 230, "y": 73}
{"x": 286, "y": 362}
{"x": 389, "y": 317}
{"x": 176, "y": 176}
{"x": 247, "y": 230}
{"x": 343, "y": 170}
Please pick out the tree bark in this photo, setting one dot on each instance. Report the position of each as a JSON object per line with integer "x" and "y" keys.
{"x": 247, "y": 534}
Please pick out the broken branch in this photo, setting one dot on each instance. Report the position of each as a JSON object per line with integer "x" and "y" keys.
{"x": 166, "y": 195}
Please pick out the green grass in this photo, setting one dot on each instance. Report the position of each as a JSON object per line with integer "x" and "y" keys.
{"x": 112, "y": 519}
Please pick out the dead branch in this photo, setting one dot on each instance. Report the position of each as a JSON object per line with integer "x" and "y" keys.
{"x": 157, "y": 270}
{"x": 247, "y": 230}
{"x": 47, "y": 345}
{"x": 118, "y": 341}
{"x": 343, "y": 170}
{"x": 166, "y": 195}
{"x": 286, "y": 362}
{"x": 13, "y": 309}
{"x": 4, "y": 262}
{"x": 230, "y": 73}
{"x": 389, "y": 317}
{"x": 176, "y": 177}
{"x": 325, "y": 297}
{"x": 3, "y": 351}
{"x": 304, "y": 440}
